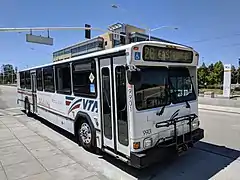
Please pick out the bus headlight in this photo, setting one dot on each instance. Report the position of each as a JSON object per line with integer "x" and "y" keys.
{"x": 195, "y": 124}
{"x": 147, "y": 142}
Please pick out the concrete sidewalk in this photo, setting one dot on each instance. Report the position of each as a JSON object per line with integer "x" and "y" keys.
{"x": 26, "y": 154}
{"x": 219, "y": 108}
{"x": 219, "y": 102}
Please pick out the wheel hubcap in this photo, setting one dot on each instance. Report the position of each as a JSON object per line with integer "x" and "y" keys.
{"x": 85, "y": 133}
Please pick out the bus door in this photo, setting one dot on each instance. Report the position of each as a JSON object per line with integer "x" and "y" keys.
{"x": 114, "y": 106}
{"x": 34, "y": 93}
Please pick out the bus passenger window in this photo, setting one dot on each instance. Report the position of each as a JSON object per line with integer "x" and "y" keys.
{"x": 27, "y": 80}
{"x": 63, "y": 79}
{"x": 22, "y": 80}
{"x": 48, "y": 77}
{"x": 39, "y": 80}
{"x": 84, "y": 78}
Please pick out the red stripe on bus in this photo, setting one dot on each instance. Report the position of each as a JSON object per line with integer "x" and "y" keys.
{"x": 68, "y": 103}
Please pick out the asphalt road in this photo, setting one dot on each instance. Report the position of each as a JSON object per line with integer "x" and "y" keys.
{"x": 217, "y": 156}
{"x": 8, "y": 97}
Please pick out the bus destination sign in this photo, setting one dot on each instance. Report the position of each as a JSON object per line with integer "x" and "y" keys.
{"x": 164, "y": 54}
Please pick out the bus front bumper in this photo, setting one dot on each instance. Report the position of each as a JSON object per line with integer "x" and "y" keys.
{"x": 156, "y": 154}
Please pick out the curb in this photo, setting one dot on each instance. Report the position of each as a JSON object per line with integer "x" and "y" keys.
{"x": 220, "y": 111}
{"x": 9, "y": 85}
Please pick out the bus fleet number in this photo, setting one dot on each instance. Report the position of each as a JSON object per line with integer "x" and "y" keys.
{"x": 147, "y": 132}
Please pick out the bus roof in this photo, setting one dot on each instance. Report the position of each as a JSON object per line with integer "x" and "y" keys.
{"x": 102, "y": 52}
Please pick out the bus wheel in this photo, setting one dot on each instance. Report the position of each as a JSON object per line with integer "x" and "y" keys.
{"x": 86, "y": 136}
{"x": 27, "y": 108}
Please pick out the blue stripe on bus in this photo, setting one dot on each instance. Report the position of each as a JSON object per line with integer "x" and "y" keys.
{"x": 70, "y": 98}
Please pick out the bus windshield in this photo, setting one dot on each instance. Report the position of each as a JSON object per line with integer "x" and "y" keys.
{"x": 161, "y": 86}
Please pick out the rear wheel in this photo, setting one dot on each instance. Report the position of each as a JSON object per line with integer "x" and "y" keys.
{"x": 27, "y": 108}
{"x": 86, "y": 136}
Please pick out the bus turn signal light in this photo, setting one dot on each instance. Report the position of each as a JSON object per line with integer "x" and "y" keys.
{"x": 136, "y": 145}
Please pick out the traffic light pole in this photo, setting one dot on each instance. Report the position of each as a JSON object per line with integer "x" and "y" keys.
{"x": 55, "y": 29}
{"x": 48, "y": 40}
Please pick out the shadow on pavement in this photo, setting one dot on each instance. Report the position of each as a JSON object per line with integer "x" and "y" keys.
{"x": 55, "y": 128}
{"x": 201, "y": 162}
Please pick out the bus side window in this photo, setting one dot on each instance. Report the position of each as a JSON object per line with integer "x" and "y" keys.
{"x": 48, "y": 77}
{"x": 22, "y": 80}
{"x": 27, "y": 80}
{"x": 39, "y": 80}
{"x": 84, "y": 78}
{"x": 63, "y": 79}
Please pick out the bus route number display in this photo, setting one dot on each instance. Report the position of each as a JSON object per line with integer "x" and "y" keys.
{"x": 154, "y": 53}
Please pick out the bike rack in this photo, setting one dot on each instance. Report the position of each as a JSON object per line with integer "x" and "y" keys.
{"x": 176, "y": 140}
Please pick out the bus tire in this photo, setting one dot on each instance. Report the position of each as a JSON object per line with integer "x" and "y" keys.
{"x": 27, "y": 107}
{"x": 86, "y": 136}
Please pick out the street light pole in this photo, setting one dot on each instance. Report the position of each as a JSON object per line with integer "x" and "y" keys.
{"x": 149, "y": 34}
{"x": 238, "y": 69}
{"x": 148, "y": 29}
{"x": 47, "y": 29}
{"x": 161, "y": 27}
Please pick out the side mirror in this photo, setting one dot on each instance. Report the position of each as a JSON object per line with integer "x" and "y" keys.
{"x": 134, "y": 76}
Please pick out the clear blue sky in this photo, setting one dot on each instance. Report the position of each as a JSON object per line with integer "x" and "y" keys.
{"x": 215, "y": 23}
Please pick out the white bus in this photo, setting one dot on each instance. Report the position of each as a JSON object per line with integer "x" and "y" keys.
{"x": 137, "y": 102}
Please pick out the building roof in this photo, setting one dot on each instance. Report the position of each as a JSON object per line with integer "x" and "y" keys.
{"x": 76, "y": 44}
{"x": 155, "y": 38}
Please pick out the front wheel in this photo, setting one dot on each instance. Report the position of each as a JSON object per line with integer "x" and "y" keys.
{"x": 86, "y": 136}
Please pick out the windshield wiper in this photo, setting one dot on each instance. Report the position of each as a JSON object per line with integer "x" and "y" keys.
{"x": 187, "y": 105}
{"x": 159, "y": 113}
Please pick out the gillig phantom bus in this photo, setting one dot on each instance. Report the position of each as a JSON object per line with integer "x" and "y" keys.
{"x": 137, "y": 102}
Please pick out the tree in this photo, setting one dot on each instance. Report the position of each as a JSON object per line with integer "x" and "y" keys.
{"x": 202, "y": 74}
{"x": 218, "y": 70}
{"x": 238, "y": 75}
{"x": 210, "y": 68}
{"x": 233, "y": 75}
{"x": 7, "y": 74}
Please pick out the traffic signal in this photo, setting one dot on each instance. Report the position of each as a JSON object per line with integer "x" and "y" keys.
{"x": 87, "y": 31}
{"x": 122, "y": 38}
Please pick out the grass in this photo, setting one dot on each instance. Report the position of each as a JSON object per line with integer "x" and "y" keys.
{"x": 217, "y": 91}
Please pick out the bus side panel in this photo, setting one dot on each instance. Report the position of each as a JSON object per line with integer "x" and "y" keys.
{"x": 22, "y": 95}
{"x": 44, "y": 109}
{"x": 64, "y": 120}
{"x": 51, "y": 107}
{"x": 88, "y": 106}
{"x": 61, "y": 110}
{"x": 20, "y": 98}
